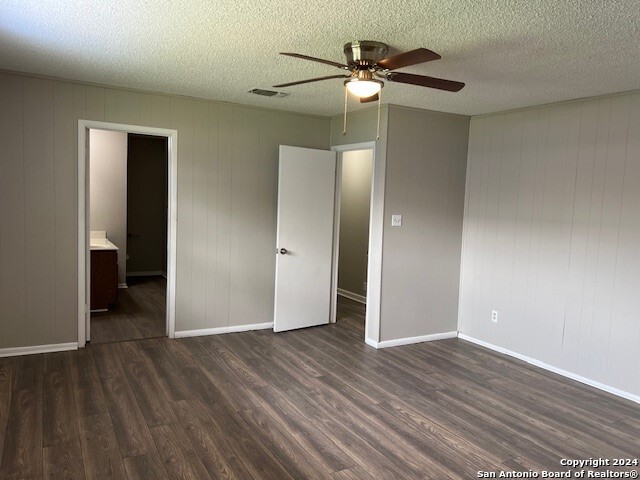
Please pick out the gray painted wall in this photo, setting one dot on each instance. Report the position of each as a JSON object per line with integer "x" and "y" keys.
{"x": 425, "y": 181}
{"x": 423, "y": 157}
{"x": 362, "y": 128}
{"x": 108, "y": 190}
{"x": 355, "y": 203}
{"x": 227, "y": 180}
{"x": 552, "y": 236}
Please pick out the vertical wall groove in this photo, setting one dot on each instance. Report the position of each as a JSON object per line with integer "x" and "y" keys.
{"x": 566, "y": 290}
{"x": 38, "y": 195}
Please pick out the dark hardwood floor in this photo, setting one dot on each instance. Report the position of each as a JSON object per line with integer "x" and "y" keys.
{"x": 139, "y": 313}
{"x": 352, "y": 313}
{"x": 308, "y": 404}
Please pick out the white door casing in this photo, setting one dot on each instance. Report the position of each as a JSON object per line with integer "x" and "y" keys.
{"x": 83, "y": 220}
{"x": 306, "y": 195}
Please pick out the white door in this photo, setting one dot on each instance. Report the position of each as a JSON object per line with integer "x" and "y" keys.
{"x": 306, "y": 195}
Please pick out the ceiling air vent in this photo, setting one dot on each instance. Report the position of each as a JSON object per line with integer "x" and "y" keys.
{"x": 268, "y": 93}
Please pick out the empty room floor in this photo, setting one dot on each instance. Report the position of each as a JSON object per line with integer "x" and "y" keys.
{"x": 313, "y": 403}
{"x": 140, "y": 312}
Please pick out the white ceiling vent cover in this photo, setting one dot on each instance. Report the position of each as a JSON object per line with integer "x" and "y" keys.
{"x": 268, "y": 93}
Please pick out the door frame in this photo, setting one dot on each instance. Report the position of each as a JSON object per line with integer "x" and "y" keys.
{"x": 84, "y": 254}
{"x": 374, "y": 260}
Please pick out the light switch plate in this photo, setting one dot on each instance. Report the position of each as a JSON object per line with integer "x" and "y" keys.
{"x": 396, "y": 220}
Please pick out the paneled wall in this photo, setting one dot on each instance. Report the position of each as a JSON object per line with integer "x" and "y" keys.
{"x": 419, "y": 172}
{"x": 227, "y": 181}
{"x": 552, "y": 236}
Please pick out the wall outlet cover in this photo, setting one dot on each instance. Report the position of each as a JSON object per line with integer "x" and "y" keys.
{"x": 494, "y": 316}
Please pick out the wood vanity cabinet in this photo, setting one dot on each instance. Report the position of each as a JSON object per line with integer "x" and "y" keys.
{"x": 104, "y": 278}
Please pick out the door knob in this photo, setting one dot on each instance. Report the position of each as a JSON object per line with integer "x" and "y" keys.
{"x": 283, "y": 251}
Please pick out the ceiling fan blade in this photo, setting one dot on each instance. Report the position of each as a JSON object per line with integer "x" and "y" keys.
{"x": 372, "y": 98}
{"x": 319, "y": 79}
{"x": 424, "y": 81}
{"x": 419, "y": 55}
{"x": 314, "y": 59}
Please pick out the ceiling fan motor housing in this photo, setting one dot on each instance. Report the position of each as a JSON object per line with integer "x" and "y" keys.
{"x": 363, "y": 54}
{"x": 367, "y": 59}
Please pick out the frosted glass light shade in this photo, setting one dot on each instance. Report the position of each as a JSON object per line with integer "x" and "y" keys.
{"x": 363, "y": 88}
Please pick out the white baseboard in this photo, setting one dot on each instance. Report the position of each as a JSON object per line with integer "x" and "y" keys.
{"x": 220, "y": 330}
{"x": 123, "y": 285}
{"x": 56, "y": 347}
{"x": 551, "y": 368}
{"x": 151, "y": 273}
{"x": 370, "y": 342}
{"x": 352, "y": 296}
{"x": 409, "y": 340}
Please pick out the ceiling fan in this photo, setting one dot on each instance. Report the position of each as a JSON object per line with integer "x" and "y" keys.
{"x": 367, "y": 62}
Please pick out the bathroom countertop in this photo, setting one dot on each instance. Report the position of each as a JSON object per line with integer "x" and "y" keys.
{"x": 97, "y": 242}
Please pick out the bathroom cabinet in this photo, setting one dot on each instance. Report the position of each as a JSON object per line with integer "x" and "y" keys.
{"x": 104, "y": 278}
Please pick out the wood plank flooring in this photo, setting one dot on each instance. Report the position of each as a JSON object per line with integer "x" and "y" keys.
{"x": 139, "y": 313}
{"x": 351, "y": 311}
{"x": 310, "y": 404}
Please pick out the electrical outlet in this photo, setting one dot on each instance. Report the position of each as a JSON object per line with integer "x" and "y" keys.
{"x": 396, "y": 220}
{"x": 364, "y": 286}
{"x": 494, "y": 316}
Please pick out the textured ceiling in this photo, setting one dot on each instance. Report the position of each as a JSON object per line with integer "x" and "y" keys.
{"x": 510, "y": 53}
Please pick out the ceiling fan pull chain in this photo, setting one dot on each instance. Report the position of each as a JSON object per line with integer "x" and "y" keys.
{"x": 344, "y": 127}
{"x": 378, "y": 127}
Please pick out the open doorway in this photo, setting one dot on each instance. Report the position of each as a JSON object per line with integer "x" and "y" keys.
{"x": 126, "y": 232}
{"x": 354, "y": 189}
{"x": 128, "y": 235}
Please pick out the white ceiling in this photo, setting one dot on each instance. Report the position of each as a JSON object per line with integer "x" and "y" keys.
{"x": 510, "y": 53}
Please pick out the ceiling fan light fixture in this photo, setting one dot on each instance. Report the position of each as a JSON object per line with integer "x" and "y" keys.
{"x": 363, "y": 88}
